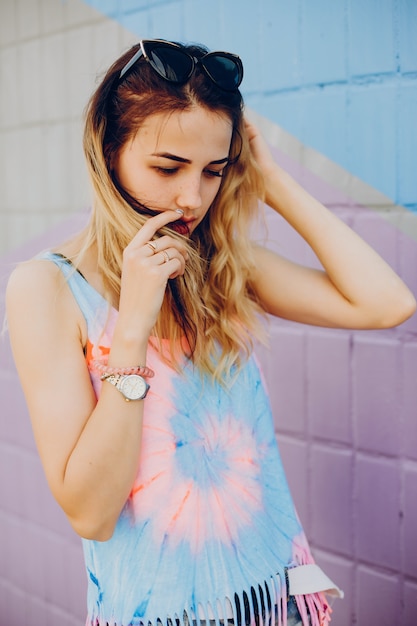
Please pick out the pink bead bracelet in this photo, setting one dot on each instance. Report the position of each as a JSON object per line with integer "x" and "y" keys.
{"x": 105, "y": 371}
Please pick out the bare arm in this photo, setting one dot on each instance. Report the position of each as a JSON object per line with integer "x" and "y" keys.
{"x": 89, "y": 450}
{"x": 356, "y": 288}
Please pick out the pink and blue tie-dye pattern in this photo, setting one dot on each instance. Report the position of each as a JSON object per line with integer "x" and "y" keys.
{"x": 210, "y": 525}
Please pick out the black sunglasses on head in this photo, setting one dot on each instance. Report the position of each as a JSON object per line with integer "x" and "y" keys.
{"x": 175, "y": 64}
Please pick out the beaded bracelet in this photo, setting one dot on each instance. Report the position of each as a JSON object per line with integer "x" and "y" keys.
{"x": 105, "y": 372}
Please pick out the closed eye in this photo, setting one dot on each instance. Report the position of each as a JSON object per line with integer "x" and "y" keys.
{"x": 216, "y": 173}
{"x": 167, "y": 171}
{"x": 170, "y": 171}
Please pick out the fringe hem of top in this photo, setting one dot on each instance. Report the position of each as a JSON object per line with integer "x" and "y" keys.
{"x": 264, "y": 605}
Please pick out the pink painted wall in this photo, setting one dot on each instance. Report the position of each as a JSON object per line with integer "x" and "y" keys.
{"x": 345, "y": 409}
{"x": 42, "y": 579}
{"x": 346, "y": 406}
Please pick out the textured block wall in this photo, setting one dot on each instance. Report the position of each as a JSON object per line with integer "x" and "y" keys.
{"x": 340, "y": 76}
{"x": 50, "y": 54}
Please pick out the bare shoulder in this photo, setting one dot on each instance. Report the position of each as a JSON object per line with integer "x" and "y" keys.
{"x": 40, "y": 278}
{"x": 34, "y": 284}
{"x": 33, "y": 277}
{"x": 38, "y": 295}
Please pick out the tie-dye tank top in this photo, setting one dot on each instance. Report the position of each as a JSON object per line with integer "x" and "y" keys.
{"x": 209, "y": 531}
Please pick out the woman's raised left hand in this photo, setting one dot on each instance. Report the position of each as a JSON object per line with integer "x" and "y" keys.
{"x": 260, "y": 149}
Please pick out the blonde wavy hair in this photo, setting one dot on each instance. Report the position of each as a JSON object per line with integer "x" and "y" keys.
{"x": 213, "y": 305}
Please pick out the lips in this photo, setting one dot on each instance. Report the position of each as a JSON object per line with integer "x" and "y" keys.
{"x": 180, "y": 227}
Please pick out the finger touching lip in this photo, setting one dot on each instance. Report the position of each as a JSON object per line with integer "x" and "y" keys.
{"x": 169, "y": 216}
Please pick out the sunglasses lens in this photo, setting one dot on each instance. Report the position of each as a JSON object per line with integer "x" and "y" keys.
{"x": 175, "y": 64}
{"x": 226, "y": 71}
{"x": 170, "y": 63}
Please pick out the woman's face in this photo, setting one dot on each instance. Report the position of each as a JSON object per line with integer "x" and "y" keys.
{"x": 176, "y": 161}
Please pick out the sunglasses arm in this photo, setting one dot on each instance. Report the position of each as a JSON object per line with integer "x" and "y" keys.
{"x": 132, "y": 61}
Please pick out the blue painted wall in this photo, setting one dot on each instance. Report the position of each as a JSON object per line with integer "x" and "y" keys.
{"x": 340, "y": 75}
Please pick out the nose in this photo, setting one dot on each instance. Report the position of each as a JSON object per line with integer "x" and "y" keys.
{"x": 189, "y": 194}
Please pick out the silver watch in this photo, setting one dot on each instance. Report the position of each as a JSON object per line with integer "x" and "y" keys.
{"x": 132, "y": 386}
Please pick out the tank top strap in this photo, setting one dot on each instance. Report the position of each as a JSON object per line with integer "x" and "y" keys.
{"x": 88, "y": 299}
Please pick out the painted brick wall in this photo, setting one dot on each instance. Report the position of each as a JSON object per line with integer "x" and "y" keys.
{"x": 345, "y": 409}
{"x": 344, "y": 402}
{"x": 50, "y": 54}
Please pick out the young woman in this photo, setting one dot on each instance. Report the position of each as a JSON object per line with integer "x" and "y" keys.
{"x": 133, "y": 342}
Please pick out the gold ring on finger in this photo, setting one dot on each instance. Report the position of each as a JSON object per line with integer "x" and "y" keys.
{"x": 166, "y": 256}
{"x": 152, "y": 245}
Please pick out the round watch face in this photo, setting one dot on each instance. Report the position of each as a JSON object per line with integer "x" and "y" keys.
{"x": 133, "y": 387}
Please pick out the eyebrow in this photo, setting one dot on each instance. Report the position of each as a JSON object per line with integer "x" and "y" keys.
{"x": 174, "y": 157}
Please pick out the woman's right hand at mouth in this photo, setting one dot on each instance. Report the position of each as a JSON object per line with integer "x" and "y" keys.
{"x": 148, "y": 264}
